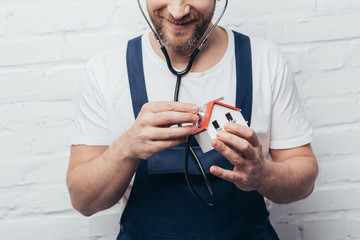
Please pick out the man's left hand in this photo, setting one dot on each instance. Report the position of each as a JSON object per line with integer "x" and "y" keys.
{"x": 241, "y": 146}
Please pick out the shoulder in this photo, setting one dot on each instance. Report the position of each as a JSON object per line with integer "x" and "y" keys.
{"x": 109, "y": 60}
{"x": 261, "y": 49}
{"x": 266, "y": 50}
{"x": 106, "y": 70}
{"x": 268, "y": 59}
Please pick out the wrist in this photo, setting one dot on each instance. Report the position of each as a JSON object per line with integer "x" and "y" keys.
{"x": 122, "y": 149}
{"x": 267, "y": 184}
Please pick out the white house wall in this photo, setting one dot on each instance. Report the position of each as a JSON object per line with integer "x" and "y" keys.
{"x": 218, "y": 114}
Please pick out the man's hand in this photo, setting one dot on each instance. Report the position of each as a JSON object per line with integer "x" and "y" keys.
{"x": 240, "y": 145}
{"x": 289, "y": 177}
{"x": 152, "y": 131}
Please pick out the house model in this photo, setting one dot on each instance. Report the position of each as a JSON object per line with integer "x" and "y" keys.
{"x": 213, "y": 116}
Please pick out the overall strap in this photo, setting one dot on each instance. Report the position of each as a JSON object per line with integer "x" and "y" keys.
{"x": 244, "y": 85}
{"x": 134, "y": 62}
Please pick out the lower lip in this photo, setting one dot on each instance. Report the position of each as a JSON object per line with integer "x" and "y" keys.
{"x": 178, "y": 27}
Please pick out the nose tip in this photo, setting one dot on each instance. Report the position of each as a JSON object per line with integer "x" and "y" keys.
{"x": 178, "y": 10}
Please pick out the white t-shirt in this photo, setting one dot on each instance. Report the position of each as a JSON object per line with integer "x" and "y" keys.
{"x": 105, "y": 109}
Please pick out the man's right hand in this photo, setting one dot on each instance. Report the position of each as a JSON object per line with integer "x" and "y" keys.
{"x": 152, "y": 131}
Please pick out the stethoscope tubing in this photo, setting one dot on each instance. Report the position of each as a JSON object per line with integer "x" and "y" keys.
{"x": 179, "y": 75}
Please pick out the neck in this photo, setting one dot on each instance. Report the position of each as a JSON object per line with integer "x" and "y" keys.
{"x": 210, "y": 54}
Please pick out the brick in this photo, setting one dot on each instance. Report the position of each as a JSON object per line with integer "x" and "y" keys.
{"x": 108, "y": 237}
{"x": 329, "y": 229}
{"x": 3, "y": 15}
{"x": 11, "y": 174}
{"x": 9, "y": 202}
{"x": 335, "y": 6}
{"x": 45, "y": 199}
{"x": 353, "y": 228}
{"x": 85, "y": 46}
{"x": 52, "y": 138}
{"x": 326, "y": 57}
{"x": 37, "y": 127}
{"x": 25, "y": 200}
{"x": 20, "y": 52}
{"x": 304, "y": 29}
{"x": 55, "y": 17}
{"x": 46, "y": 170}
{"x": 43, "y": 227}
{"x": 354, "y": 55}
{"x": 14, "y": 145}
{"x": 15, "y": 85}
{"x": 128, "y": 17}
{"x": 103, "y": 224}
{"x": 330, "y": 56}
{"x": 49, "y": 84}
{"x": 24, "y": 116}
{"x": 336, "y": 140}
{"x": 339, "y": 83}
{"x": 287, "y": 231}
{"x": 63, "y": 83}
{"x": 276, "y": 7}
{"x": 327, "y": 113}
{"x": 331, "y": 173}
{"x": 33, "y": 170}
{"x": 323, "y": 200}
{"x": 21, "y": 116}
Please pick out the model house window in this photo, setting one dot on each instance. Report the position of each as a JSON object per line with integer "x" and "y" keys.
{"x": 216, "y": 125}
{"x": 229, "y": 117}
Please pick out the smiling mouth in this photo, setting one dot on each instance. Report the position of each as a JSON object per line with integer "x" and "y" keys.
{"x": 180, "y": 25}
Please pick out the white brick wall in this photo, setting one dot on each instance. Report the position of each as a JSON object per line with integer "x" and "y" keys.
{"x": 44, "y": 45}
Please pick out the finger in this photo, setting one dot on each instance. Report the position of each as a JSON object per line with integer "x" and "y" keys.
{"x": 243, "y": 131}
{"x": 228, "y": 175}
{"x": 161, "y": 145}
{"x": 239, "y": 145}
{"x": 172, "y": 132}
{"x": 168, "y": 106}
{"x": 171, "y": 118}
{"x": 229, "y": 153}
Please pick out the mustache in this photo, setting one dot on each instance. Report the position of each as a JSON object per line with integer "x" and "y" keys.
{"x": 184, "y": 20}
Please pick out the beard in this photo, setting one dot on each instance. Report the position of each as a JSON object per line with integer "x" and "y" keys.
{"x": 201, "y": 24}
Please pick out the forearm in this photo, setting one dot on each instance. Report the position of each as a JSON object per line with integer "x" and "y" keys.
{"x": 100, "y": 183}
{"x": 97, "y": 179}
{"x": 290, "y": 180}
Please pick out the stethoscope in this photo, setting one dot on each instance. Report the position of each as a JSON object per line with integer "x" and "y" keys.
{"x": 179, "y": 75}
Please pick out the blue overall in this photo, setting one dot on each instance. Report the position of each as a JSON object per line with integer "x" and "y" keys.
{"x": 161, "y": 205}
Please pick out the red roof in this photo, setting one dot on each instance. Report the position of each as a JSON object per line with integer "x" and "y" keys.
{"x": 209, "y": 106}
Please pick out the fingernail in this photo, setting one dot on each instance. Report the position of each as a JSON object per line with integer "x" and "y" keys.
{"x": 196, "y": 118}
{"x": 194, "y": 130}
{"x": 216, "y": 143}
{"x": 195, "y": 109}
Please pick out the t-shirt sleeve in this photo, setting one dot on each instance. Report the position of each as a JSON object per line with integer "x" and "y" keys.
{"x": 289, "y": 127}
{"x": 90, "y": 127}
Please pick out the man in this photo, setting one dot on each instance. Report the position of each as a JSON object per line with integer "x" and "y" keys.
{"x": 110, "y": 146}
